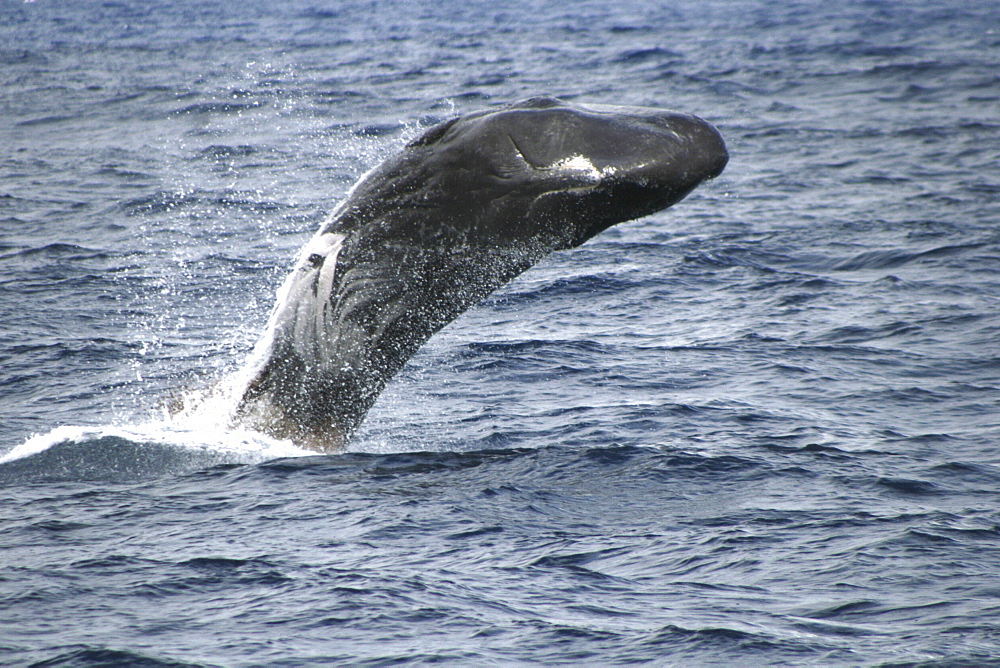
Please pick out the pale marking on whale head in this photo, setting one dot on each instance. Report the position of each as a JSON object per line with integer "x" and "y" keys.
{"x": 580, "y": 164}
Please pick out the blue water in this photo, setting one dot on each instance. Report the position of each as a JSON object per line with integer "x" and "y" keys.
{"x": 761, "y": 427}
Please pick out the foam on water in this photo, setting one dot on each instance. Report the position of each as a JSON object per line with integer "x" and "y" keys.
{"x": 236, "y": 445}
{"x": 199, "y": 421}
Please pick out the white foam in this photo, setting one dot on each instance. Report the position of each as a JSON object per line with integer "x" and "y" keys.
{"x": 197, "y": 428}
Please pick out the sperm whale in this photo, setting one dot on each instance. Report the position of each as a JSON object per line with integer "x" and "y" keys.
{"x": 461, "y": 210}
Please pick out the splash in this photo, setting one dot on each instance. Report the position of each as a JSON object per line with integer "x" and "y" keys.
{"x": 201, "y": 427}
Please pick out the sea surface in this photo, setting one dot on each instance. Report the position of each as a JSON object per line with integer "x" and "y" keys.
{"x": 759, "y": 428}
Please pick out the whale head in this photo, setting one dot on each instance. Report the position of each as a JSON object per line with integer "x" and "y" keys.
{"x": 540, "y": 169}
{"x": 462, "y": 209}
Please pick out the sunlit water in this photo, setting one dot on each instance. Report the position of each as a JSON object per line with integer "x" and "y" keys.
{"x": 760, "y": 427}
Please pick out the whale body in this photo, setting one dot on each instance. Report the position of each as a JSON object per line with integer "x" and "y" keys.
{"x": 461, "y": 210}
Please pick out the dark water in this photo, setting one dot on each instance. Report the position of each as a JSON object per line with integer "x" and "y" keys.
{"x": 759, "y": 428}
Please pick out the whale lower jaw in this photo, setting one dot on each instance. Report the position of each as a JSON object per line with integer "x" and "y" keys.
{"x": 297, "y": 344}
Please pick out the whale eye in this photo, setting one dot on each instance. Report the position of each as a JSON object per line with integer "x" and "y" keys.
{"x": 315, "y": 260}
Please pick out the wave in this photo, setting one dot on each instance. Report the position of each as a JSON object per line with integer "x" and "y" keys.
{"x": 93, "y": 655}
{"x": 127, "y": 454}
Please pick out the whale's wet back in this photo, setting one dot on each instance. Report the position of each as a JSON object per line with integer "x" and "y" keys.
{"x": 461, "y": 210}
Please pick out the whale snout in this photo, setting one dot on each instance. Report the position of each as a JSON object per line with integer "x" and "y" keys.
{"x": 681, "y": 149}
{"x": 707, "y": 148}
{"x": 642, "y": 160}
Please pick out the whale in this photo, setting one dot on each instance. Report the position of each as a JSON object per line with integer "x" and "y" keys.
{"x": 461, "y": 210}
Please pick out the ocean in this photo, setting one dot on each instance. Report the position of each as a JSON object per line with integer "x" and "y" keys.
{"x": 758, "y": 428}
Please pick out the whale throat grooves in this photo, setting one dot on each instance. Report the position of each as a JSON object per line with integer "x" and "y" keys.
{"x": 461, "y": 210}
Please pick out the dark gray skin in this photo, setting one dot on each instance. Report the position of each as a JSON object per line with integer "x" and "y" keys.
{"x": 463, "y": 209}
